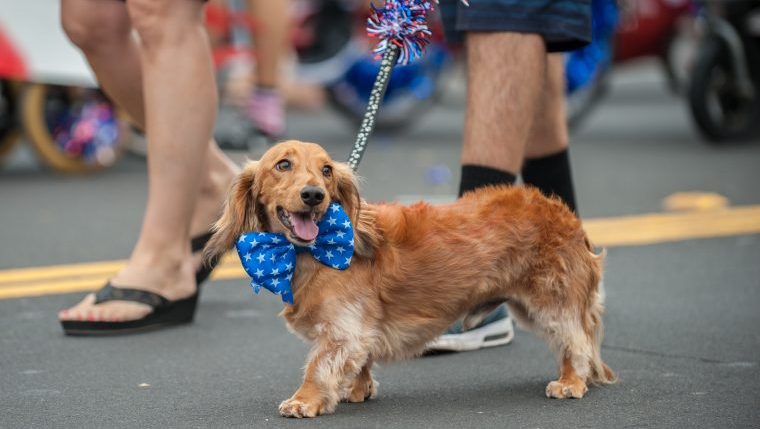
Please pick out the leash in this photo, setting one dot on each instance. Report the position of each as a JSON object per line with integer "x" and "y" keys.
{"x": 401, "y": 27}
{"x": 373, "y": 105}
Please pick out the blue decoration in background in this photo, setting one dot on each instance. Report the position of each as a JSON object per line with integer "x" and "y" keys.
{"x": 583, "y": 65}
{"x": 270, "y": 259}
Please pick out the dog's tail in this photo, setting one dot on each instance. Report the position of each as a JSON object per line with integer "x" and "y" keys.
{"x": 600, "y": 372}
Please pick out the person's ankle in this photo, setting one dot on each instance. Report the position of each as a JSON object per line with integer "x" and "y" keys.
{"x": 168, "y": 272}
{"x": 165, "y": 255}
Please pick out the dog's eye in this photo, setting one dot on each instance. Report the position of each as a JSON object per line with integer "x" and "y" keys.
{"x": 327, "y": 171}
{"x": 283, "y": 165}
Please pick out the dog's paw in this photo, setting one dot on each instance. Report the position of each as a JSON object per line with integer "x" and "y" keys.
{"x": 362, "y": 390}
{"x": 566, "y": 389}
{"x": 300, "y": 408}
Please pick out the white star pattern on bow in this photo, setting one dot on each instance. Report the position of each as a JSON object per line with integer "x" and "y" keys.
{"x": 270, "y": 259}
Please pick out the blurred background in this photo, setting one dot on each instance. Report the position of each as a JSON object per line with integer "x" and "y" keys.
{"x": 701, "y": 57}
{"x": 664, "y": 109}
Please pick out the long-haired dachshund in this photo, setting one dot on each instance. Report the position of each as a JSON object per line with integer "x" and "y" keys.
{"x": 415, "y": 271}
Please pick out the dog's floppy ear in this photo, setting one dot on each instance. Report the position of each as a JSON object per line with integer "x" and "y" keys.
{"x": 366, "y": 237}
{"x": 347, "y": 194}
{"x": 240, "y": 213}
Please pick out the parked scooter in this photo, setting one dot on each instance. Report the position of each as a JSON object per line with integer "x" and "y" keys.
{"x": 724, "y": 93}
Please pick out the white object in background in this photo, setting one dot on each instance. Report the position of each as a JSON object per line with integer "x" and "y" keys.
{"x": 34, "y": 30}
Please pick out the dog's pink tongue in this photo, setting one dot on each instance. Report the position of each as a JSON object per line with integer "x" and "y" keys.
{"x": 304, "y": 227}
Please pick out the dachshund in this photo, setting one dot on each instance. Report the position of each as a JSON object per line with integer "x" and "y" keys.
{"x": 416, "y": 270}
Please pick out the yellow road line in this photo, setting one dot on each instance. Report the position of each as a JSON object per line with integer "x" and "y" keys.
{"x": 105, "y": 268}
{"x": 606, "y": 232}
{"x": 87, "y": 284}
{"x": 665, "y": 227}
{"x": 21, "y": 275}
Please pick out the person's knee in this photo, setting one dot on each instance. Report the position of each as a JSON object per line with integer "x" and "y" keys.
{"x": 95, "y": 28}
{"x": 160, "y": 22}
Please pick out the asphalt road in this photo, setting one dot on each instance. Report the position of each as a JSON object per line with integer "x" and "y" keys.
{"x": 681, "y": 326}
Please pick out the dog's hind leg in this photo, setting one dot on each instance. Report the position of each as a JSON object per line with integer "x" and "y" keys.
{"x": 572, "y": 381}
{"x": 576, "y": 338}
{"x": 567, "y": 340}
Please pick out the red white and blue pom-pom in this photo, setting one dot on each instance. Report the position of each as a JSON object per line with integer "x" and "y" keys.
{"x": 402, "y": 23}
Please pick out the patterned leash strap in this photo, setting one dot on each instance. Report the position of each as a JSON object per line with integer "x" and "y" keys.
{"x": 375, "y": 98}
{"x": 402, "y": 30}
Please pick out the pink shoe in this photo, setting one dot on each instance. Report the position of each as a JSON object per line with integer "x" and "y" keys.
{"x": 266, "y": 110}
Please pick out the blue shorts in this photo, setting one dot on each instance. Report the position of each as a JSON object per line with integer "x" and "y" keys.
{"x": 565, "y": 25}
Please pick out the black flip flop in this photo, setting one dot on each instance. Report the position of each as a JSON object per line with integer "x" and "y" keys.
{"x": 165, "y": 312}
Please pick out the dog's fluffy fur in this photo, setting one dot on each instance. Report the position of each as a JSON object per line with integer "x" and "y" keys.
{"x": 418, "y": 269}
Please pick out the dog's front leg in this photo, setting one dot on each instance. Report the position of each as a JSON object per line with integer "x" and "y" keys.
{"x": 331, "y": 370}
{"x": 364, "y": 386}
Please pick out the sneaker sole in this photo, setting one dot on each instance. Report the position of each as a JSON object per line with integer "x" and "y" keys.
{"x": 493, "y": 334}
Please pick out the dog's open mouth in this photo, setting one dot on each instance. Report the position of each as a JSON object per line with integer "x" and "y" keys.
{"x": 302, "y": 225}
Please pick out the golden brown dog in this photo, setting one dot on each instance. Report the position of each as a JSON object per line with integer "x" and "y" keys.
{"x": 416, "y": 270}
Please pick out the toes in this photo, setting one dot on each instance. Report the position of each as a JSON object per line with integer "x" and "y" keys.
{"x": 297, "y": 409}
{"x": 75, "y": 312}
{"x": 112, "y": 311}
{"x": 372, "y": 390}
{"x": 357, "y": 396}
{"x": 555, "y": 390}
{"x": 560, "y": 390}
{"x": 362, "y": 391}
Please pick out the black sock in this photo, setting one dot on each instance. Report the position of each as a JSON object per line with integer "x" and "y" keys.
{"x": 551, "y": 175}
{"x": 476, "y": 176}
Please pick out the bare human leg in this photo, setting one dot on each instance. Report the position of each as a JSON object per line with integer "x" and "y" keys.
{"x": 549, "y": 133}
{"x": 271, "y": 39}
{"x": 266, "y": 105}
{"x": 161, "y": 260}
{"x": 505, "y": 75}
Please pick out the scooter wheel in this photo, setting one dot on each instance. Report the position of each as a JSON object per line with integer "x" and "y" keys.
{"x": 73, "y": 130}
{"x": 8, "y": 132}
{"x": 721, "y": 113}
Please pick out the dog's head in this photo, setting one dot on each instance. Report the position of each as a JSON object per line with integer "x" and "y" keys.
{"x": 287, "y": 191}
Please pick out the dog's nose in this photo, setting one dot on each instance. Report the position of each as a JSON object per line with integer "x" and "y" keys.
{"x": 312, "y": 195}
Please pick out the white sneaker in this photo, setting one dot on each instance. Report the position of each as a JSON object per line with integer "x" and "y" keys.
{"x": 496, "y": 329}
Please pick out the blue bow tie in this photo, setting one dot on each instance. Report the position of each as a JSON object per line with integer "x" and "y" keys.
{"x": 270, "y": 258}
